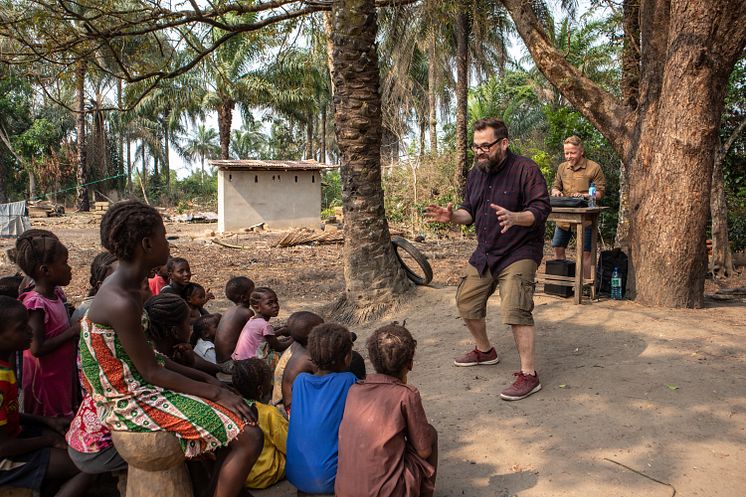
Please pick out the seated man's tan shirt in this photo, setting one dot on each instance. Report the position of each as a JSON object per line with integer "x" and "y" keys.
{"x": 577, "y": 179}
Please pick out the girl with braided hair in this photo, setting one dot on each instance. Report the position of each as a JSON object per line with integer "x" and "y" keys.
{"x": 49, "y": 363}
{"x": 318, "y": 403}
{"x": 385, "y": 415}
{"x": 130, "y": 385}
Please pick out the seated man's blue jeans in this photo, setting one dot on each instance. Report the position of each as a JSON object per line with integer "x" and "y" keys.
{"x": 562, "y": 237}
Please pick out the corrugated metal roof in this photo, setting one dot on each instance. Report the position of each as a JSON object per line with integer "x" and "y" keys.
{"x": 269, "y": 165}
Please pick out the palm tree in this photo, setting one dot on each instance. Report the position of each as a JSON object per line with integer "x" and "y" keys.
{"x": 249, "y": 141}
{"x": 373, "y": 276}
{"x": 202, "y": 145}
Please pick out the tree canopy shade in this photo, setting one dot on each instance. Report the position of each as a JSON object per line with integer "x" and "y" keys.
{"x": 665, "y": 128}
{"x": 58, "y": 33}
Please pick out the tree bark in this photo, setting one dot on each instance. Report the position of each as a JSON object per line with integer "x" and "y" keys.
{"x": 688, "y": 50}
{"x": 630, "y": 83}
{"x": 462, "y": 94}
{"x": 622, "y": 224}
{"x": 329, "y": 32}
{"x": 84, "y": 203}
{"x": 630, "y": 86}
{"x": 3, "y": 184}
{"x": 431, "y": 88}
{"x": 31, "y": 182}
{"x": 423, "y": 131}
{"x": 722, "y": 255}
{"x": 166, "y": 154}
{"x": 144, "y": 175}
{"x": 374, "y": 279}
{"x": 225, "y": 120}
{"x": 309, "y": 137}
{"x": 322, "y": 153}
{"x": 129, "y": 166}
{"x": 121, "y": 182}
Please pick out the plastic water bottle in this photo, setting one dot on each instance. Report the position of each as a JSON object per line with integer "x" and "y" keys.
{"x": 616, "y": 285}
{"x": 592, "y": 195}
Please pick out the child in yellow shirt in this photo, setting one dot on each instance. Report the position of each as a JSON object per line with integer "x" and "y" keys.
{"x": 253, "y": 379}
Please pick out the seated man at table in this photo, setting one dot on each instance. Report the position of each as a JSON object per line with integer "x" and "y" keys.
{"x": 574, "y": 177}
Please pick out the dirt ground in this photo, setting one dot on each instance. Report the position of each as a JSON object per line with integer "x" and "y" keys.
{"x": 660, "y": 391}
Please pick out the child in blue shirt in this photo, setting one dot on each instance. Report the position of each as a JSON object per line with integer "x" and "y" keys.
{"x": 318, "y": 405}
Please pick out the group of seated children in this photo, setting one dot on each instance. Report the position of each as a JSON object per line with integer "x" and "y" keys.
{"x": 143, "y": 355}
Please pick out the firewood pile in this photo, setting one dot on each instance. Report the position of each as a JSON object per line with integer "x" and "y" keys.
{"x": 303, "y": 236}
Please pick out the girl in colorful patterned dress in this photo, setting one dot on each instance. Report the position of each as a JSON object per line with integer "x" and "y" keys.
{"x": 49, "y": 364}
{"x": 131, "y": 388}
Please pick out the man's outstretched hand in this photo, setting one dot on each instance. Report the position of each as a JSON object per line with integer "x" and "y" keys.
{"x": 505, "y": 217}
{"x": 437, "y": 214}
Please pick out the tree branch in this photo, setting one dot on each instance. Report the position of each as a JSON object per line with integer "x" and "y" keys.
{"x": 598, "y": 106}
{"x": 725, "y": 148}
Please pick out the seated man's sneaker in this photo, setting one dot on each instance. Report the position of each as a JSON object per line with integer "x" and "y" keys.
{"x": 522, "y": 387}
{"x": 476, "y": 357}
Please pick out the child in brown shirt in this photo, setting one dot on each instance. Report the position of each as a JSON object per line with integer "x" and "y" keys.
{"x": 385, "y": 415}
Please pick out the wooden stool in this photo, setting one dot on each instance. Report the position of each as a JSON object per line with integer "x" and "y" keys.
{"x": 156, "y": 464}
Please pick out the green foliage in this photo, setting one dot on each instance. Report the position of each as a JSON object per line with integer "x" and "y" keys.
{"x": 196, "y": 190}
{"x": 411, "y": 186}
{"x": 566, "y": 121}
{"x": 286, "y": 141}
{"x": 734, "y": 162}
{"x": 331, "y": 191}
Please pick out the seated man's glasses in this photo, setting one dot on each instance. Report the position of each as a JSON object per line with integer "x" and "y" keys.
{"x": 485, "y": 147}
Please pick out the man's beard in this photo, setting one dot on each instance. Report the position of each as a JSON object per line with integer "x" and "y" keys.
{"x": 487, "y": 164}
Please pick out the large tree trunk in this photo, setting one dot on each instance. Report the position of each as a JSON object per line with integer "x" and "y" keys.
{"x": 462, "y": 93}
{"x": 431, "y": 88}
{"x": 225, "y": 120}
{"x": 84, "y": 203}
{"x": 373, "y": 276}
{"x": 688, "y": 50}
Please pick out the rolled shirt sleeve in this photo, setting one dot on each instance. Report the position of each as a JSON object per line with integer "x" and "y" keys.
{"x": 536, "y": 196}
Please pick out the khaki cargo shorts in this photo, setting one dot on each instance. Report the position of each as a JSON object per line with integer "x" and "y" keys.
{"x": 516, "y": 283}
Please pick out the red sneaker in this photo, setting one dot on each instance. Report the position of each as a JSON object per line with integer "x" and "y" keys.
{"x": 476, "y": 357}
{"x": 522, "y": 387}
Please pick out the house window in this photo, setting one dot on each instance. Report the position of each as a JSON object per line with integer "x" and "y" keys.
{"x": 313, "y": 178}
{"x": 296, "y": 179}
{"x": 256, "y": 179}
{"x": 230, "y": 177}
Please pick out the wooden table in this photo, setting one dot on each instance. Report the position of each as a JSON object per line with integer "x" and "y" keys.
{"x": 577, "y": 216}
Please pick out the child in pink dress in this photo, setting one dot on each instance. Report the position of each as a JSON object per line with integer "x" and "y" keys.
{"x": 258, "y": 338}
{"x": 49, "y": 363}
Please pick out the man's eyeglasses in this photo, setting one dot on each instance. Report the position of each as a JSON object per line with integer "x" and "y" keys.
{"x": 485, "y": 147}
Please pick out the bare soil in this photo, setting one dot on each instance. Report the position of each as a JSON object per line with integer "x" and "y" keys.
{"x": 660, "y": 391}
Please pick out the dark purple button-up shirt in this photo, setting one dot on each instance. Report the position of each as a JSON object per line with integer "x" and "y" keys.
{"x": 517, "y": 185}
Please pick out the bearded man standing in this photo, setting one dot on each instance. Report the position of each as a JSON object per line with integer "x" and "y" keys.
{"x": 507, "y": 201}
